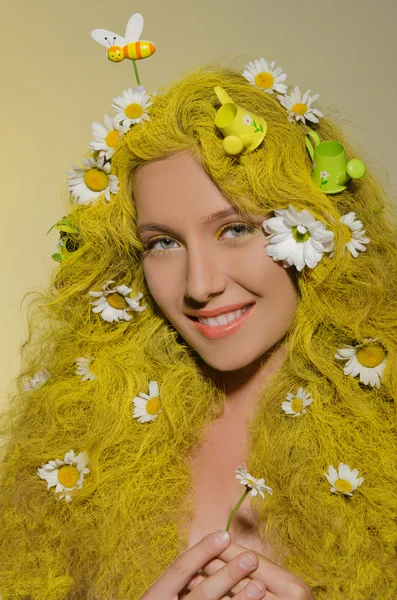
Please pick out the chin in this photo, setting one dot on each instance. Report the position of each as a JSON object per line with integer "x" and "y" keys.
{"x": 224, "y": 365}
{"x": 223, "y": 362}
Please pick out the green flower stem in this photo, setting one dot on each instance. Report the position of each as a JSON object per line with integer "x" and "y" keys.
{"x": 136, "y": 72}
{"x": 235, "y": 509}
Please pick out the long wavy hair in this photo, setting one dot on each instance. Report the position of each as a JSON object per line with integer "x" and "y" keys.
{"x": 131, "y": 517}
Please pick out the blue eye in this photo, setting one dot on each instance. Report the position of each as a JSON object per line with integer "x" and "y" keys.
{"x": 235, "y": 230}
{"x": 161, "y": 244}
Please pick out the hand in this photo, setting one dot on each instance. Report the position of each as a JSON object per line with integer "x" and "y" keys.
{"x": 280, "y": 583}
{"x": 171, "y": 585}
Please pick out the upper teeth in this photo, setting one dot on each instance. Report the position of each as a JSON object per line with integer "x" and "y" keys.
{"x": 223, "y": 319}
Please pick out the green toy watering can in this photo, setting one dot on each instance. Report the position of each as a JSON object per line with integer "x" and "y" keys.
{"x": 331, "y": 170}
{"x": 242, "y": 130}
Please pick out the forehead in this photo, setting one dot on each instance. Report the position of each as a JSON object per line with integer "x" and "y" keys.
{"x": 175, "y": 186}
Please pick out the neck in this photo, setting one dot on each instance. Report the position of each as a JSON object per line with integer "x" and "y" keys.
{"x": 243, "y": 387}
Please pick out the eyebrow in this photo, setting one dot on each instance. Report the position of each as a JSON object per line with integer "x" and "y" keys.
{"x": 216, "y": 216}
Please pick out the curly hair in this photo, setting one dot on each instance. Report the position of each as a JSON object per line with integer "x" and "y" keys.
{"x": 131, "y": 517}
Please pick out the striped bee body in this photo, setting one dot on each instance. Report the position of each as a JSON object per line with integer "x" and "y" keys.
{"x": 138, "y": 50}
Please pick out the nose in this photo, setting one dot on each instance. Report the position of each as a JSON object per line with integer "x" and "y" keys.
{"x": 205, "y": 275}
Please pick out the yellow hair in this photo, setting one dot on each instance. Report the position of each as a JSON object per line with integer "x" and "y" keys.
{"x": 131, "y": 517}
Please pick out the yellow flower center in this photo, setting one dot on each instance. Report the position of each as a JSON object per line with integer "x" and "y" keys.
{"x": 370, "y": 356}
{"x": 112, "y": 138}
{"x": 297, "y": 404}
{"x": 264, "y": 80}
{"x": 343, "y": 486}
{"x": 93, "y": 367}
{"x": 96, "y": 180}
{"x": 133, "y": 111}
{"x": 153, "y": 406}
{"x": 118, "y": 301}
{"x": 347, "y": 234}
{"x": 68, "y": 476}
{"x": 299, "y": 109}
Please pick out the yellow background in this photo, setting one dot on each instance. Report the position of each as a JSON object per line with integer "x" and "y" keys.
{"x": 55, "y": 81}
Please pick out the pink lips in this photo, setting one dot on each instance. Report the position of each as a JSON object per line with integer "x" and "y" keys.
{"x": 220, "y": 331}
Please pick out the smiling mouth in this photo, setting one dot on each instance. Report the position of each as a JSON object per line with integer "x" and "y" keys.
{"x": 224, "y": 319}
{"x": 222, "y": 325}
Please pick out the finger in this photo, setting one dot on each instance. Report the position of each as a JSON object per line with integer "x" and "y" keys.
{"x": 214, "y": 565}
{"x": 198, "y": 579}
{"x": 222, "y": 581}
{"x": 255, "y": 590}
{"x": 175, "y": 577}
{"x": 279, "y": 581}
{"x": 194, "y": 582}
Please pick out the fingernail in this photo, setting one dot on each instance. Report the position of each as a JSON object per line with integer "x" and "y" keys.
{"x": 222, "y": 537}
{"x": 255, "y": 590}
{"x": 247, "y": 561}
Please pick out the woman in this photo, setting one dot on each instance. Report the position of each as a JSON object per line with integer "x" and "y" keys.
{"x": 298, "y": 383}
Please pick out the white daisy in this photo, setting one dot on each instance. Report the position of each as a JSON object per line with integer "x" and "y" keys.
{"x": 86, "y": 369}
{"x": 300, "y": 108}
{"x": 130, "y": 108}
{"x": 257, "y": 486}
{"x": 296, "y": 238}
{"x": 295, "y": 404}
{"x": 107, "y": 137}
{"x": 344, "y": 481}
{"x": 115, "y": 303}
{"x": 147, "y": 406}
{"x": 37, "y": 381}
{"x": 92, "y": 181}
{"x": 266, "y": 76}
{"x": 368, "y": 360}
{"x": 354, "y": 234}
{"x": 66, "y": 475}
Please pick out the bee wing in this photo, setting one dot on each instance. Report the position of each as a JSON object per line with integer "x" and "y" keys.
{"x": 107, "y": 38}
{"x": 134, "y": 28}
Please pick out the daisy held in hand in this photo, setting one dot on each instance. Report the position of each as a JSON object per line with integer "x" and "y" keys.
{"x": 297, "y": 238}
{"x": 255, "y": 486}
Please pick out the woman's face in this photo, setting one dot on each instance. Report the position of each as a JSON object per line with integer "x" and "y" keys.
{"x": 206, "y": 266}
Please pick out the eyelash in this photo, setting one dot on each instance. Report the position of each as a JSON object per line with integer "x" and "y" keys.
{"x": 149, "y": 247}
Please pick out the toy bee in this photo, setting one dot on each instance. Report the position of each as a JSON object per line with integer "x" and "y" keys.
{"x": 119, "y": 48}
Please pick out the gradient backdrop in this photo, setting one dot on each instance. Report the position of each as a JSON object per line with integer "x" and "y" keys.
{"x": 56, "y": 81}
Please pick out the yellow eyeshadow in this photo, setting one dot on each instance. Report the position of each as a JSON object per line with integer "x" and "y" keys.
{"x": 249, "y": 229}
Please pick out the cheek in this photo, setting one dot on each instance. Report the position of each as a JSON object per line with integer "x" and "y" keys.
{"x": 262, "y": 273}
{"x": 276, "y": 286}
{"x": 281, "y": 293}
{"x": 160, "y": 285}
